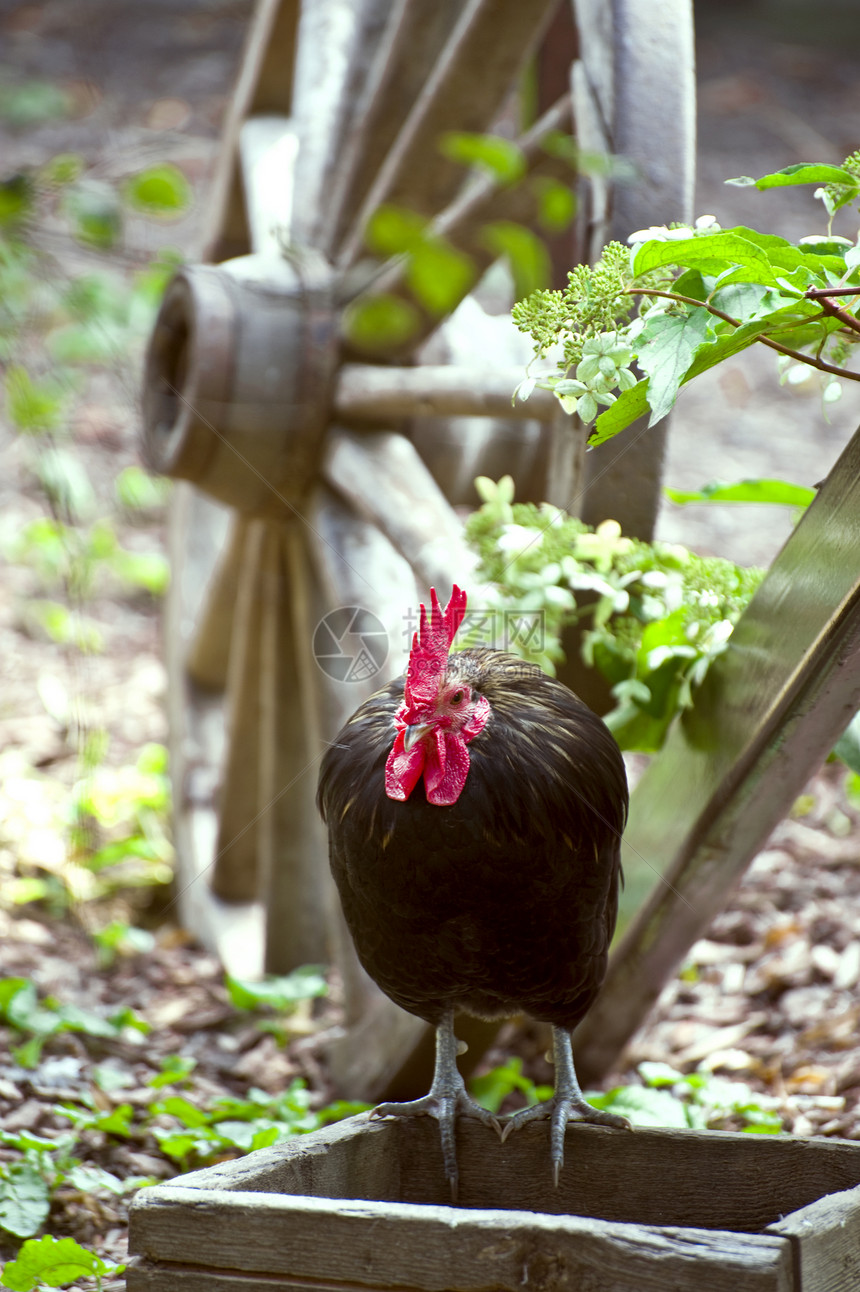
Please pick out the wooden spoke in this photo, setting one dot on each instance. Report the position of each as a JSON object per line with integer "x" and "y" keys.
{"x": 265, "y": 85}
{"x": 464, "y": 220}
{"x": 372, "y": 393}
{"x": 235, "y": 876}
{"x": 208, "y": 657}
{"x": 464, "y": 91}
{"x": 414, "y": 36}
{"x": 383, "y": 477}
{"x": 355, "y": 565}
{"x": 617, "y": 72}
{"x": 296, "y": 886}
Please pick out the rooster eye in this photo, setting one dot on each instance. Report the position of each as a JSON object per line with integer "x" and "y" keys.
{"x": 457, "y": 697}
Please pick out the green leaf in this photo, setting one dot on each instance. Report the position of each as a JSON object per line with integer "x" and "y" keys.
{"x": 439, "y": 276}
{"x": 712, "y": 254}
{"x": 94, "y": 211}
{"x": 379, "y": 323}
{"x": 659, "y": 1074}
{"x": 394, "y": 230}
{"x": 800, "y": 173}
{"x": 160, "y": 191}
{"x": 25, "y": 1199}
{"x": 56, "y": 1262}
{"x": 116, "y": 1121}
{"x": 64, "y": 478}
{"x": 137, "y": 490}
{"x": 556, "y": 204}
{"x": 524, "y": 251}
{"x": 848, "y": 745}
{"x": 175, "y": 1070}
{"x": 33, "y": 102}
{"x": 667, "y": 355}
{"x": 493, "y": 1087}
{"x": 149, "y": 570}
{"x": 90, "y": 1178}
{"x": 305, "y": 983}
{"x": 63, "y": 626}
{"x": 176, "y": 1106}
{"x": 500, "y": 158}
{"x": 77, "y": 343}
{"x": 629, "y": 405}
{"x": 643, "y": 1106}
{"x": 785, "y": 255}
{"x": 65, "y": 168}
{"x": 32, "y": 406}
{"x": 16, "y": 199}
{"x": 780, "y": 492}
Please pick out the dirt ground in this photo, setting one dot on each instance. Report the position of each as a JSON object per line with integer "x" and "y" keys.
{"x": 770, "y": 995}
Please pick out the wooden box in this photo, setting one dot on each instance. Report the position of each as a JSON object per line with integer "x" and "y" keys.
{"x": 362, "y": 1205}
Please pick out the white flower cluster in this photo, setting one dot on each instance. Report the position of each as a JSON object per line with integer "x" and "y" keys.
{"x": 603, "y": 366}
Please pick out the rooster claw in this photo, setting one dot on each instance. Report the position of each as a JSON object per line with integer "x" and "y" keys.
{"x": 567, "y": 1104}
{"x": 446, "y": 1101}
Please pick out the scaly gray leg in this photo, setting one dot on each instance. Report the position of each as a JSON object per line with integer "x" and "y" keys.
{"x": 568, "y": 1103}
{"x": 446, "y": 1100}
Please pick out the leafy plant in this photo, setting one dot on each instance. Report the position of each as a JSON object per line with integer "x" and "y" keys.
{"x": 105, "y": 835}
{"x": 653, "y": 615}
{"x": 55, "y": 1263}
{"x": 493, "y": 1087}
{"x": 704, "y": 294}
{"x": 21, "y": 1009}
{"x": 698, "y": 1100}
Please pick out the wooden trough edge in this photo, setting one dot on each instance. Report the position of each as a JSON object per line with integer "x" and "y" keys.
{"x": 262, "y": 1221}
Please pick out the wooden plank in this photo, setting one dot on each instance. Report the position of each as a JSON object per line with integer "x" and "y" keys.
{"x": 768, "y": 713}
{"x": 208, "y": 653}
{"x": 341, "y": 44}
{"x": 688, "y": 1179}
{"x": 443, "y": 1249}
{"x": 149, "y": 1276}
{"x": 826, "y": 1241}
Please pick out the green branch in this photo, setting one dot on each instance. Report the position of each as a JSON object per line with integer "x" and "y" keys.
{"x": 811, "y": 362}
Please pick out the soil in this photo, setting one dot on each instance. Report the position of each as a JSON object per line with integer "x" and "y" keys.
{"x": 769, "y": 995}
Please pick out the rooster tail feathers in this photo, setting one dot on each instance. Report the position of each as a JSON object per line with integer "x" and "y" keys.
{"x": 430, "y": 645}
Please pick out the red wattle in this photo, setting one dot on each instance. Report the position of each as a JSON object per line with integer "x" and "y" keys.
{"x": 403, "y": 768}
{"x": 446, "y": 768}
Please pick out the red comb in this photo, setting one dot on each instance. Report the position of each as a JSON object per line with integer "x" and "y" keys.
{"x": 430, "y": 646}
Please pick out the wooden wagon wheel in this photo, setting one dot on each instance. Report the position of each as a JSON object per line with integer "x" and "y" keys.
{"x": 302, "y": 498}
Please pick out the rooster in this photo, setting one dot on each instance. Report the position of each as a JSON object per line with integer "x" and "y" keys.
{"x": 474, "y": 810}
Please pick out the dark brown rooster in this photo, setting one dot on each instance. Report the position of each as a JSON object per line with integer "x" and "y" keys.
{"x": 475, "y": 810}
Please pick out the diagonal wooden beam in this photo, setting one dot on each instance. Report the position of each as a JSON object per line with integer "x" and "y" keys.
{"x": 768, "y": 713}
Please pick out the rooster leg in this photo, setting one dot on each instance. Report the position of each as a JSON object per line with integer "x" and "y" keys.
{"x": 568, "y": 1103}
{"x": 446, "y": 1100}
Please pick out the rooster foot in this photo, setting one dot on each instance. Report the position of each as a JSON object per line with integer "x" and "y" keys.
{"x": 447, "y": 1100}
{"x": 567, "y": 1104}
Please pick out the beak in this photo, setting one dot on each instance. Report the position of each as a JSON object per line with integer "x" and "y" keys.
{"x": 412, "y": 735}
